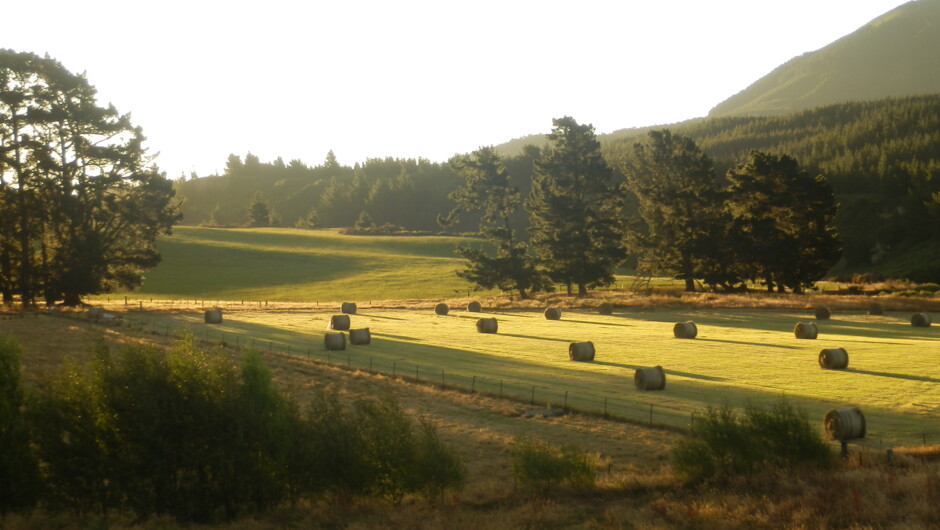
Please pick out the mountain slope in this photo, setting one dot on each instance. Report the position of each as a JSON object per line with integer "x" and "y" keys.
{"x": 893, "y": 55}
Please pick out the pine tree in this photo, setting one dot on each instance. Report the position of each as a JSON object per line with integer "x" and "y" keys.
{"x": 680, "y": 206}
{"x": 576, "y": 230}
{"x": 786, "y": 218}
{"x": 487, "y": 189}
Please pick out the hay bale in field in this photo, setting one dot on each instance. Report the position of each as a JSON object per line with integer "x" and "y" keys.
{"x": 845, "y": 424}
{"x": 95, "y": 313}
{"x": 334, "y": 341}
{"x": 441, "y": 309}
{"x": 487, "y": 325}
{"x": 806, "y": 330}
{"x": 348, "y": 308}
{"x": 339, "y": 322}
{"x": 685, "y": 330}
{"x": 822, "y": 313}
{"x": 875, "y": 309}
{"x": 920, "y": 320}
{"x": 360, "y": 337}
{"x": 581, "y": 351}
{"x": 213, "y": 316}
{"x": 606, "y": 308}
{"x": 553, "y": 313}
{"x": 474, "y": 307}
{"x": 834, "y": 358}
{"x": 653, "y": 378}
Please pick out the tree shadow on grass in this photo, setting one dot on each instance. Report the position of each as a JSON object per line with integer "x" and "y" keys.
{"x": 668, "y": 372}
{"x": 563, "y": 319}
{"x": 757, "y": 344}
{"x": 534, "y": 338}
{"x": 372, "y": 315}
{"x": 895, "y": 376}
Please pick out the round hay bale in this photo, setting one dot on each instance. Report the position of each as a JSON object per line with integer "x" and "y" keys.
{"x": 822, "y": 313}
{"x": 96, "y": 313}
{"x": 474, "y": 307}
{"x": 606, "y": 308}
{"x": 806, "y": 330}
{"x": 845, "y": 424}
{"x": 581, "y": 351}
{"x": 834, "y": 358}
{"x": 487, "y": 325}
{"x": 213, "y": 316}
{"x": 920, "y": 320}
{"x": 553, "y": 313}
{"x": 334, "y": 341}
{"x": 653, "y": 378}
{"x": 338, "y": 322}
{"x": 360, "y": 337}
{"x": 441, "y": 309}
{"x": 875, "y": 309}
{"x": 348, "y": 308}
{"x": 685, "y": 330}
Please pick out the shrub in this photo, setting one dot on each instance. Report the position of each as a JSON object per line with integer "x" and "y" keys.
{"x": 723, "y": 445}
{"x": 539, "y": 466}
{"x": 19, "y": 488}
{"x": 180, "y": 433}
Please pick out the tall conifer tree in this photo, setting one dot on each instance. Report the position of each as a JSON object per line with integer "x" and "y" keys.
{"x": 574, "y": 209}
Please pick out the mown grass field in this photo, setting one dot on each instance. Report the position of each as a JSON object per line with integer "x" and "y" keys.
{"x": 289, "y": 265}
{"x": 741, "y": 357}
{"x": 301, "y": 265}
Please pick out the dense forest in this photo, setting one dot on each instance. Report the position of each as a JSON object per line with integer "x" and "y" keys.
{"x": 882, "y": 159}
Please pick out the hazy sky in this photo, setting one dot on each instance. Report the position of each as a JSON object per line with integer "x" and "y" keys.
{"x": 412, "y": 78}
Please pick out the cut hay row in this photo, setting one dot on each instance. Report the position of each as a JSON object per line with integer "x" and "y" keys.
{"x": 652, "y": 378}
{"x": 487, "y": 325}
{"x": 212, "y": 316}
{"x": 920, "y": 320}
{"x": 339, "y": 322}
{"x": 685, "y": 330}
{"x": 581, "y": 351}
{"x": 845, "y": 424}
{"x": 833, "y": 358}
{"x": 360, "y": 337}
{"x": 806, "y": 330}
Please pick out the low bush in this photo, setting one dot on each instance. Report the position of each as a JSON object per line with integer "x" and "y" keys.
{"x": 19, "y": 487}
{"x": 184, "y": 433}
{"x": 723, "y": 445}
{"x": 539, "y": 466}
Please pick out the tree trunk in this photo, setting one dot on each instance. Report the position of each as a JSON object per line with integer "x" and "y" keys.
{"x": 582, "y": 290}
{"x": 523, "y": 295}
{"x": 568, "y": 285}
{"x": 72, "y": 299}
{"x": 689, "y": 285}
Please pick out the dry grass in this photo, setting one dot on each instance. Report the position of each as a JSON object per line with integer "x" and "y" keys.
{"x": 635, "y": 490}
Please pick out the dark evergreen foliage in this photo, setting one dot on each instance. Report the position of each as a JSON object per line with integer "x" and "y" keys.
{"x": 487, "y": 190}
{"x": 81, "y": 202}
{"x": 574, "y": 207}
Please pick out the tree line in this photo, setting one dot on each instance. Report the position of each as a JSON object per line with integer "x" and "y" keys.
{"x": 881, "y": 159}
{"x": 81, "y": 204}
{"x": 766, "y": 220}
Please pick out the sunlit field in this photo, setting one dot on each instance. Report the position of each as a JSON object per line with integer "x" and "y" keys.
{"x": 741, "y": 357}
{"x": 302, "y": 265}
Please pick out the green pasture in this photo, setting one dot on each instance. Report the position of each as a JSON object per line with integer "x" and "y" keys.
{"x": 291, "y": 265}
{"x": 740, "y": 357}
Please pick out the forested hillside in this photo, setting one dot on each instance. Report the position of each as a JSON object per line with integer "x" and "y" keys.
{"x": 881, "y": 157}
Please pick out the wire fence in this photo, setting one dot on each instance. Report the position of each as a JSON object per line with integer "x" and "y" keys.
{"x": 544, "y": 400}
